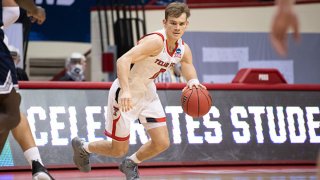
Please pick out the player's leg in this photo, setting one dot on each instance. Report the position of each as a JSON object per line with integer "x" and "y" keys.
{"x": 118, "y": 147}
{"x": 153, "y": 119}
{"x": 117, "y": 127}
{"x": 22, "y": 134}
{"x": 82, "y": 151}
{"x": 9, "y": 110}
{"x": 9, "y": 114}
{"x": 112, "y": 148}
{"x": 3, "y": 138}
{"x": 9, "y": 98}
{"x": 159, "y": 142}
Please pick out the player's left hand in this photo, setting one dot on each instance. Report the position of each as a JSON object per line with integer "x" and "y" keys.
{"x": 193, "y": 83}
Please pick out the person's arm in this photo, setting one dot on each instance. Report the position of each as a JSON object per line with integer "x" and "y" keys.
{"x": 149, "y": 46}
{"x": 37, "y": 13}
{"x": 188, "y": 70}
{"x": 9, "y": 3}
{"x": 284, "y": 19}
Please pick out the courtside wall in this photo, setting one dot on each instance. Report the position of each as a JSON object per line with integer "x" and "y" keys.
{"x": 247, "y": 124}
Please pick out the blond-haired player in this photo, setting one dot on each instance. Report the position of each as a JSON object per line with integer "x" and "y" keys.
{"x": 133, "y": 95}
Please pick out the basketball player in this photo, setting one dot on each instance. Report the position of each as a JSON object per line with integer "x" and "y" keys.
{"x": 22, "y": 132}
{"x": 284, "y": 19}
{"x": 133, "y": 95}
{"x": 9, "y": 98}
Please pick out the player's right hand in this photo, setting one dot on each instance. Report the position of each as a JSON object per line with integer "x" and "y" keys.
{"x": 282, "y": 22}
{"x": 37, "y": 15}
{"x": 125, "y": 101}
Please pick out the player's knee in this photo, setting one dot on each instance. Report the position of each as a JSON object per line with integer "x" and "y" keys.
{"x": 165, "y": 145}
{"x": 11, "y": 116}
{"x": 12, "y": 121}
{"x": 162, "y": 145}
{"x": 120, "y": 153}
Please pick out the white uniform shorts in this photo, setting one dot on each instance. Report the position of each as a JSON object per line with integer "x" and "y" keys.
{"x": 147, "y": 109}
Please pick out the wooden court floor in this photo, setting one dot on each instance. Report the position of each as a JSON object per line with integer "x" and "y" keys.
{"x": 183, "y": 173}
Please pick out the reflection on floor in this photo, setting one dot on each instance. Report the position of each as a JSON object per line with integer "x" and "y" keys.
{"x": 183, "y": 173}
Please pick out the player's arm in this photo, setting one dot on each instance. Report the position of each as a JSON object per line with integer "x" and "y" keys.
{"x": 188, "y": 70}
{"x": 284, "y": 19}
{"x": 149, "y": 46}
{"x": 9, "y": 3}
{"x": 37, "y": 13}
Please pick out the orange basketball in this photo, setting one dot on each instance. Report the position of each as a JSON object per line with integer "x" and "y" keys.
{"x": 196, "y": 102}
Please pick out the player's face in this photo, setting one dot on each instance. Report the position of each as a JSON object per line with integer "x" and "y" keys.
{"x": 175, "y": 27}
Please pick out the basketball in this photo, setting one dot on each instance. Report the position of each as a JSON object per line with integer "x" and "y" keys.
{"x": 196, "y": 102}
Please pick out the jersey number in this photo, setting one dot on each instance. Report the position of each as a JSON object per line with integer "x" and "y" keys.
{"x": 157, "y": 73}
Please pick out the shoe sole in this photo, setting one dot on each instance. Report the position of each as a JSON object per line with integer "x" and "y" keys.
{"x": 121, "y": 170}
{"x": 41, "y": 176}
{"x": 75, "y": 146}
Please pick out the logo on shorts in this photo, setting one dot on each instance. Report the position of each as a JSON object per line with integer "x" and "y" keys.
{"x": 115, "y": 110}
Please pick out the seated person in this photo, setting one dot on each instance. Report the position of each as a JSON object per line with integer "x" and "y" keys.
{"x": 75, "y": 68}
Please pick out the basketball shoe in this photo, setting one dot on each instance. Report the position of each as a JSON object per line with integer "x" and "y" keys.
{"x": 130, "y": 169}
{"x": 80, "y": 156}
{"x": 39, "y": 172}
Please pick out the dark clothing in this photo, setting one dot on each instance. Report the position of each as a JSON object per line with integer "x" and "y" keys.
{"x": 9, "y": 98}
{"x": 22, "y": 75}
{"x": 8, "y": 73}
{"x": 1, "y": 23}
{"x": 66, "y": 77}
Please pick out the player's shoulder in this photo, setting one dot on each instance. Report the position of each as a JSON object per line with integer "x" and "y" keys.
{"x": 152, "y": 40}
{"x": 186, "y": 46}
{"x": 154, "y": 36}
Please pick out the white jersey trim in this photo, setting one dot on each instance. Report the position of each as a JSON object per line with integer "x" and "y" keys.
{"x": 8, "y": 85}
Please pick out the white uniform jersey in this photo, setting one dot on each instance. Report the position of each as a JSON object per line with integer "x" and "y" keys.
{"x": 144, "y": 72}
{"x": 147, "y": 107}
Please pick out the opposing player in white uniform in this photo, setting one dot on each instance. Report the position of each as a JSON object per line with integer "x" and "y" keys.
{"x": 133, "y": 95}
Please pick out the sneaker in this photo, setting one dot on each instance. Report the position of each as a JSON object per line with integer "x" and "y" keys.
{"x": 80, "y": 156}
{"x": 130, "y": 169}
{"x": 39, "y": 172}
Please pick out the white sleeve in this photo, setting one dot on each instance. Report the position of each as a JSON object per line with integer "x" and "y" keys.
{"x": 10, "y": 15}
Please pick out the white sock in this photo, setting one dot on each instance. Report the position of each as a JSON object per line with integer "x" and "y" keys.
{"x": 32, "y": 154}
{"x": 134, "y": 158}
{"x": 86, "y": 147}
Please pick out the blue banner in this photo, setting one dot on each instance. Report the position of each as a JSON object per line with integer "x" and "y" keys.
{"x": 67, "y": 20}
